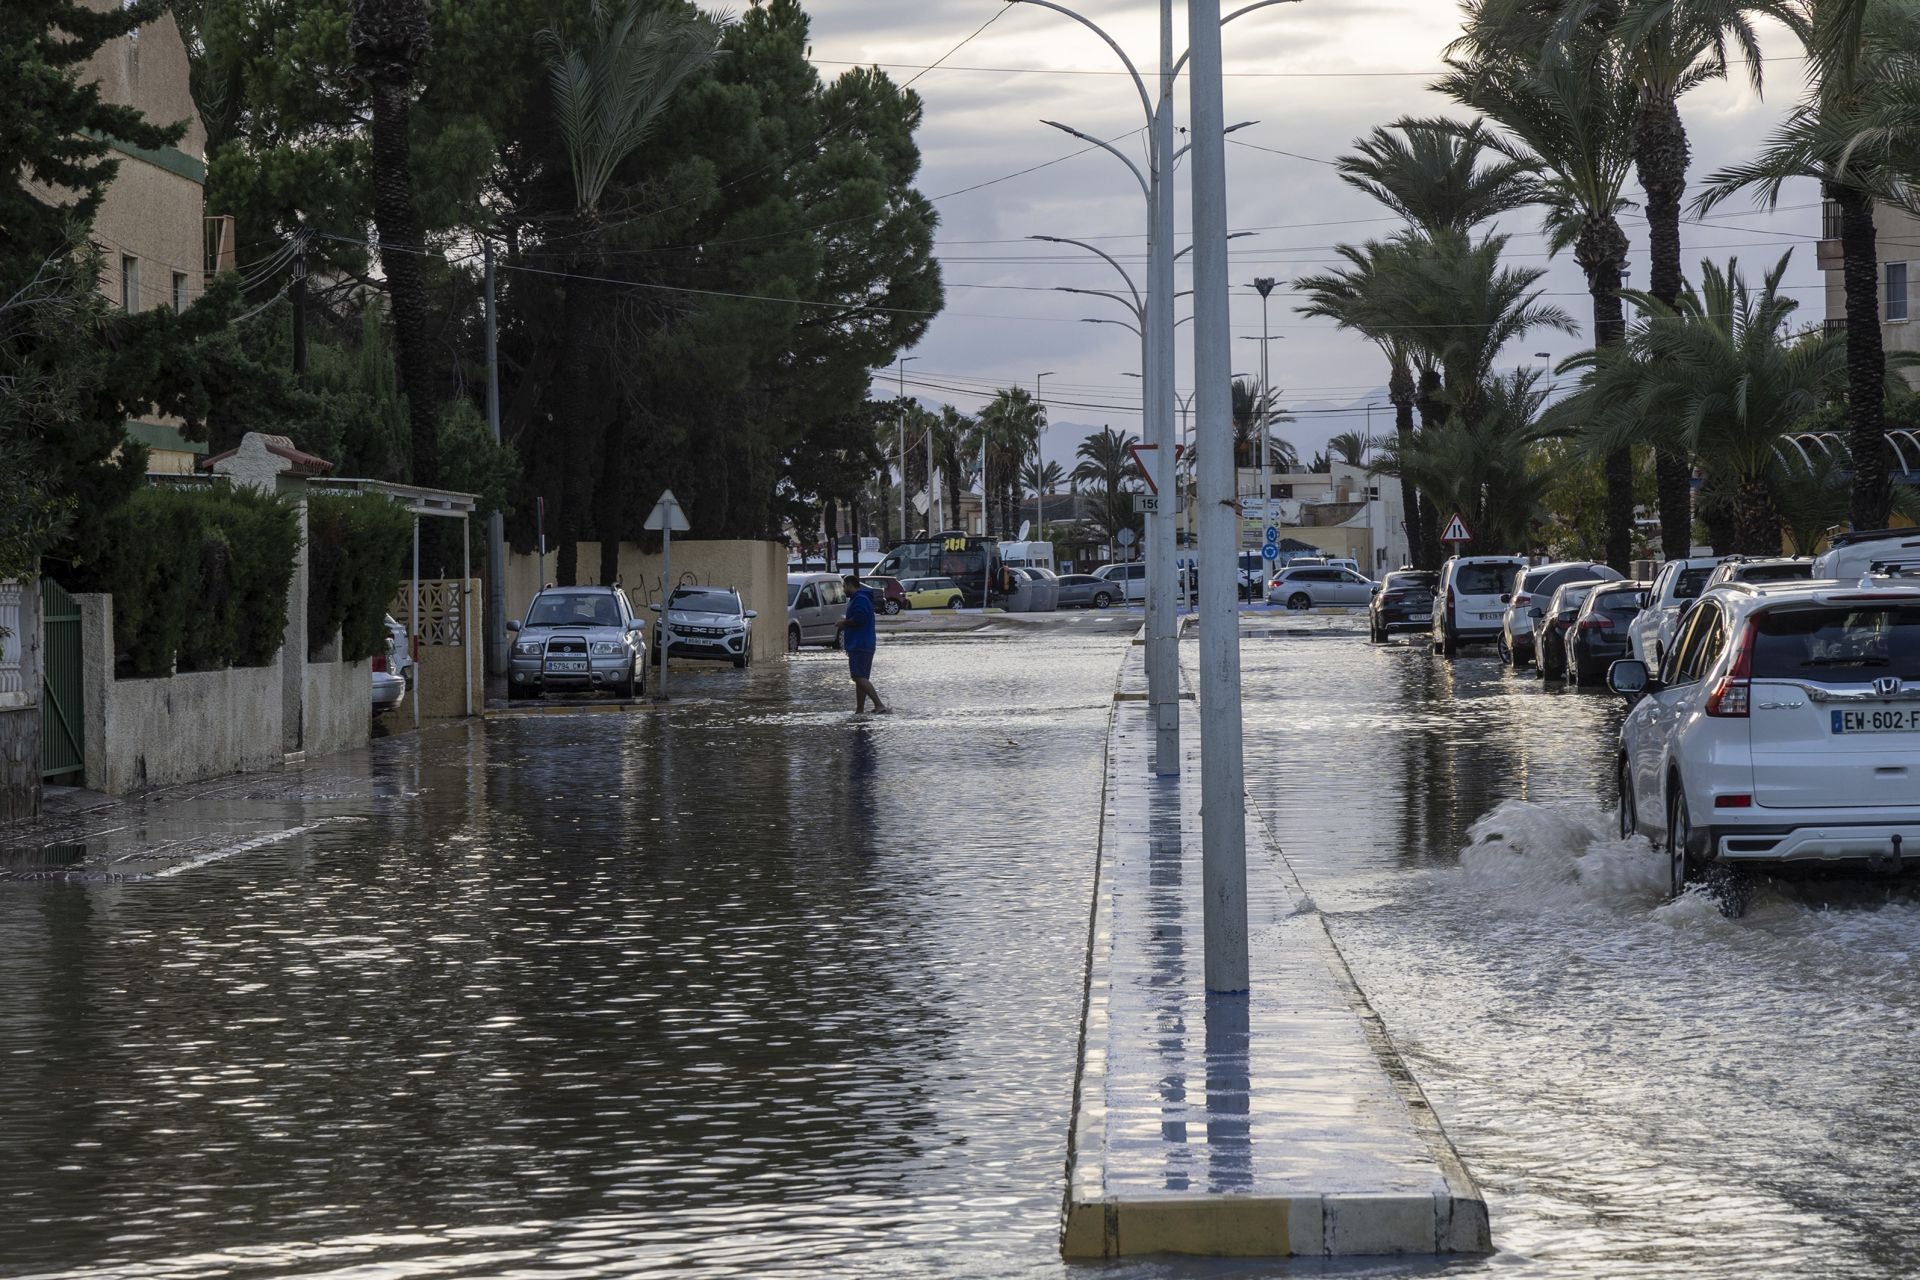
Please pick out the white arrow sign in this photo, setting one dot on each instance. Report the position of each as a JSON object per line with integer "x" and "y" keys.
{"x": 1456, "y": 530}
{"x": 666, "y": 514}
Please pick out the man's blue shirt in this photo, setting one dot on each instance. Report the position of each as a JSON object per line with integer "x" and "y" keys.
{"x": 860, "y": 635}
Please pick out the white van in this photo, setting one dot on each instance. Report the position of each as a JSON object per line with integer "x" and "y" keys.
{"x": 815, "y": 604}
{"x": 1468, "y": 607}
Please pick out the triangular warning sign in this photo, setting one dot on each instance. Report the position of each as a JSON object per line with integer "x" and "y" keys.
{"x": 1456, "y": 530}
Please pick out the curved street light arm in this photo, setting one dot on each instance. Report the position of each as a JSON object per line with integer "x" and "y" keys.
{"x": 1236, "y": 235}
{"x": 1145, "y": 189}
{"x": 1138, "y": 311}
{"x": 1132, "y": 329}
{"x": 1182, "y": 60}
{"x": 1146, "y": 99}
{"x": 1110, "y": 260}
{"x": 1232, "y": 128}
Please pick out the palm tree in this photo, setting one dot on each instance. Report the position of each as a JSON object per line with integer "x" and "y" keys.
{"x": 1832, "y": 137}
{"x": 1722, "y": 373}
{"x": 1487, "y": 467}
{"x": 952, "y": 456}
{"x": 1037, "y": 477}
{"x": 1669, "y": 47}
{"x": 390, "y": 38}
{"x": 1107, "y": 481}
{"x": 1351, "y": 447}
{"x": 1253, "y": 409}
{"x": 1010, "y": 425}
{"x": 1569, "y": 121}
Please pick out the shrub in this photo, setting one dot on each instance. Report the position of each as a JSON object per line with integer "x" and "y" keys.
{"x": 198, "y": 577}
{"x": 356, "y": 555}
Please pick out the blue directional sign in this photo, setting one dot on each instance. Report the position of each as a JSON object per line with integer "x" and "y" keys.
{"x": 1273, "y": 536}
{"x": 1270, "y": 551}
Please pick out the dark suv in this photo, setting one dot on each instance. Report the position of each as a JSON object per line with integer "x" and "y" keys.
{"x": 1403, "y": 603}
{"x": 585, "y": 639}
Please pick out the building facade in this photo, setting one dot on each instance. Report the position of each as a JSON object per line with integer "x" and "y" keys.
{"x": 1897, "y": 233}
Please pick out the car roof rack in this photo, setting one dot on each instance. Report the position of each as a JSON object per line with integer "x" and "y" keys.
{"x": 1858, "y": 536}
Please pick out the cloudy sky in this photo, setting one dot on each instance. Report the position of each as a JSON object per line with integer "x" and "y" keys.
{"x": 1314, "y": 75}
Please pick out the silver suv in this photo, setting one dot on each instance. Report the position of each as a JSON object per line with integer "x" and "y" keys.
{"x": 579, "y": 638}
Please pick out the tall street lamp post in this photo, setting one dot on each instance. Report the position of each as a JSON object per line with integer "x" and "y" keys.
{"x": 1039, "y": 430}
{"x": 900, "y": 440}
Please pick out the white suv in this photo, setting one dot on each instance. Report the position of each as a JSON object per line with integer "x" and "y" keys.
{"x": 1674, "y": 587}
{"x": 1854, "y": 554}
{"x": 1467, "y": 604}
{"x": 1784, "y": 726}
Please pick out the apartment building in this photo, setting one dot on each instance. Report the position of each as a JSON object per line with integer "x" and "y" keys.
{"x": 1898, "y": 235}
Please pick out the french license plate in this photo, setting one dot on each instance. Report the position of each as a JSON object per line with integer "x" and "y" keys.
{"x": 564, "y": 665}
{"x": 1889, "y": 720}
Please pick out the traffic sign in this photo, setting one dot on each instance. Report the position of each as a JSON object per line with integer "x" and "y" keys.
{"x": 1145, "y": 504}
{"x": 1271, "y": 551}
{"x": 667, "y": 514}
{"x": 1456, "y": 530}
{"x": 1146, "y": 472}
{"x": 1124, "y": 537}
{"x": 1273, "y": 536}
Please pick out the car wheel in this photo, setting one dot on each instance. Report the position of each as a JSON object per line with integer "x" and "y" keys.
{"x": 1683, "y": 861}
{"x": 1449, "y": 645}
{"x": 740, "y": 663}
{"x": 1506, "y": 650}
{"x": 892, "y": 607}
{"x": 793, "y": 639}
{"x": 1101, "y": 600}
{"x": 1629, "y": 811}
{"x": 1299, "y": 600}
{"x": 955, "y": 603}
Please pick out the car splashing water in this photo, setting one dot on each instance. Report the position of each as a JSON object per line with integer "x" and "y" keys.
{"x": 1642, "y": 1086}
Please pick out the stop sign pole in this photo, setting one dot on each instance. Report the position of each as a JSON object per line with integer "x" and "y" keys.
{"x": 666, "y": 517}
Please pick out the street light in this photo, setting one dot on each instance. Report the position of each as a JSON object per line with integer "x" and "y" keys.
{"x": 900, "y": 439}
{"x": 1038, "y": 434}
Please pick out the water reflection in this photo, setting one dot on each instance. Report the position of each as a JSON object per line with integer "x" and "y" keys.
{"x": 1229, "y": 1084}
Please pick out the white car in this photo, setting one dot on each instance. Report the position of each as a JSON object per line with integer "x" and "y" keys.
{"x": 1129, "y": 580}
{"x": 393, "y": 670}
{"x": 1783, "y": 727}
{"x": 1313, "y": 586}
{"x": 1855, "y": 554}
{"x": 1468, "y": 603}
{"x": 1674, "y": 587}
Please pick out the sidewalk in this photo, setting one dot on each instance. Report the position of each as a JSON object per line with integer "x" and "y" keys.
{"x": 1282, "y": 1122}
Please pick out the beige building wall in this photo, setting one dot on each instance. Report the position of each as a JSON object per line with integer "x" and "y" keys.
{"x": 1897, "y": 234}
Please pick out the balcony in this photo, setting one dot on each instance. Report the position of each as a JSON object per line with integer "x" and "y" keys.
{"x": 1829, "y": 255}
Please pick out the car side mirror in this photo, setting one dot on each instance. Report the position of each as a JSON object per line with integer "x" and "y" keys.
{"x": 753, "y": 613}
{"x": 636, "y": 624}
{"x": 513, "y": 624}
{"x": 1629, "y": 677}
{"x": 654, "y": 606}
{"x": 1507, "y": 598}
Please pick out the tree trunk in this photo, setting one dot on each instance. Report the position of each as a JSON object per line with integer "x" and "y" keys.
{"x": 611, "y": 499}
{"x": 1660, "y": 154}
{"x": 1400, "y": 391}
{"x": 1601, "y": 251}
{"x": 1432, "y": 413}
{"x": 1756, "y": 522}
{"x": 1866, "y": 359}
{"x": 398, "y": 223}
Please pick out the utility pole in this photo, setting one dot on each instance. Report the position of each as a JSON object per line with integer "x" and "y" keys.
{"x": 1163, "y": 652}
{"x": 1265, "y": 285}
{"x": 1222, "y": 770}
{"x": 299, "y": 291}
{"x": 1039, "y": 430}
{"x": 933, "y": 490}
{"x": 497, "y": 660}
{"x": 900, "y": 439}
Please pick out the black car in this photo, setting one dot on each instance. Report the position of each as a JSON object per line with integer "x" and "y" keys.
{"x": 1551, "y": 627}
{"x": 1599, "y": 633}
{"x": 1403, "y": 603}
{"x": 1527, "y": 602}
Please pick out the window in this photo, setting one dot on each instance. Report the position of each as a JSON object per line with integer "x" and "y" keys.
{"x": 806, "y": 599}
{"x": 129, "y": 283}
{"x": 1701, "y": 640}
{"x": 179, "y": 291}
{"x": 1896, "y": 291}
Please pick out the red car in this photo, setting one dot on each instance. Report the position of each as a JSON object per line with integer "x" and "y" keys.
{"x": 892, "y": 598}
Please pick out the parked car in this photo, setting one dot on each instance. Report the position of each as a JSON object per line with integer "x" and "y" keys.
{"x": 1551, "y": 627}
{"x": 709, "y": 623}
{"x": 1598, "y": 635}
{"x": 1853, "y": 555}
{"x": 888, "y": 596}
{"x": 1758, "y": 569}
{"x": 1468, "y": 608}
{"x": 1403, "y": 603}
{"x": 392, "y": 670}
{"x": 1084, "y": 591}
{"x": 933, "y": 593}
{"x": 1527, "y": 600}
{"x": 579, "y": 638}
{"x": 1129, "y": 581}
{"x": 1783, "y": 727}
{"x": 1678, "y": 584}
{"x": 815, "y": 604}
{"x": 1314, "y": 586}
{"x": 399, "y": 651}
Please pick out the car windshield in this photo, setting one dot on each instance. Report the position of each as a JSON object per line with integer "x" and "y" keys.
{"x": 1618, "y": 601}
{"x": 1571, "y": 597}
{"x": 1482, "y": 579}
{"x": 705, "y": 602}
{"x": 1691, "y": 582}
{"x": 1777, "y": 572}
{"x": 1839, "y": 643}
{"x": 574, "y": 610}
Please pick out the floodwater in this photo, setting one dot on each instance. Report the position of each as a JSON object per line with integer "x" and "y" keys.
{"x": 764, "y": 989}
{"x": 1641, "y": 1087}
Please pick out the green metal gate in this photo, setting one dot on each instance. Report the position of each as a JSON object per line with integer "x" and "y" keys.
{"x": 63, "y": 746}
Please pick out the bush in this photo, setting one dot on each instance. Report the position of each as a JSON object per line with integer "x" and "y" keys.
{"x": 356, "y": 555}
{"x": 198, "y": 578}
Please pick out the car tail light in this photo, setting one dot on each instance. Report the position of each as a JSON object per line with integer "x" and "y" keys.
{"x": 1449, "y": 598}
{"x": 379, "y": 662}
{"x": 1733, "y": 802}
{"x": 1730, "y": 699}
{"x": 1522, "y": 600}
{"x": 1599, "y": 622}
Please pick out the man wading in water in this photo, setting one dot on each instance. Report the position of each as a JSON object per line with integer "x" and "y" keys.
{"x": 859, "y": 638}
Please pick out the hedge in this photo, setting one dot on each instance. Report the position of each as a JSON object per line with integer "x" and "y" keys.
{"x": 356, "y": 554}
{"x": 199, "y": 578}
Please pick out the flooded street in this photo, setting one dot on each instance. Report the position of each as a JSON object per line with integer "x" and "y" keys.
{"x": 1635, "y": 1083}
{"x": 772, "y": 990}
